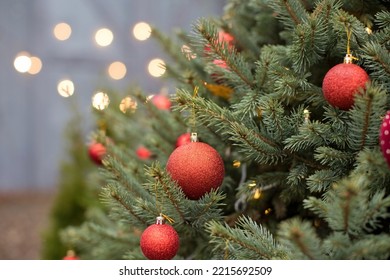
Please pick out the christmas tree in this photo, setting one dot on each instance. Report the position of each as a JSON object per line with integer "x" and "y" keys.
{"x": 273, "y": 146}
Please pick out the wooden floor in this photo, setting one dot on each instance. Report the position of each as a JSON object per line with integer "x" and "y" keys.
{"x": 23, "y": 217}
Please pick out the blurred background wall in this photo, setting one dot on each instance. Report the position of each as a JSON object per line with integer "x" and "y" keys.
{"x": 32, "y": 112}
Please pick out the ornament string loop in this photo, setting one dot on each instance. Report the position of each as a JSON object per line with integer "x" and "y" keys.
{"x": 166, "y": 217}
{"x": 193, "y": 117}
{"x": 348, "y": 57}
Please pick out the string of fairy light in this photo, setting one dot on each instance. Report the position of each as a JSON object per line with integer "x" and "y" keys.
{"x": 25, "y": 62}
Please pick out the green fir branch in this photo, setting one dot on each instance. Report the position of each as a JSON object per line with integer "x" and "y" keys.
{"x": 365, "y": 117}
{"x": 377, "y": 61}
{"x": 322, "y": 180}
{"x": 373, "y": 165}
{"x": 333, "y": 158}
{"x": 339, "y": 123}
{"x": 165, "y": 191}
{"x": 291, "y": 87}
{"x": 207, "y": 208}
{"x": 121, "y": 205}
{"x": 128, "y": 176}
{"x": 252, "y": 144}
{"x": 371, "y": 248}
{"x": 382, "y": 19}
{"x": 247, "y": 240}
{"x": 220, "y": 50}
{"x": 309, "y": 43}
{"x": 300, "y": 238}
{"x": 311, "y": 135}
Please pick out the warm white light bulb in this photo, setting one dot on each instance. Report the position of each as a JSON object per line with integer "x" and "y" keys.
{"x": 104, "y": 37}
{"x": 156, "y": 67}
{"x": 117, "y": 70}
{"x": 142, "y": 31}
{"x": 22, "y": 62}
{"x": 65, "y": 88}
{"x": 62, "y": 31}
{"x": 100, "y": 100}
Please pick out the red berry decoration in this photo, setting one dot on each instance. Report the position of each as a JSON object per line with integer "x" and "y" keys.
{"x": 197, "y": 168}
{"x": 143, "y": 153}
{"x": 161, "y": 101}
{"x": 96, "y": 152}
{"x": 183, "y": 139}
{"x": 384, "y": 137}
{"x": 342, "y": 82}
{"x": 159, "y": 241}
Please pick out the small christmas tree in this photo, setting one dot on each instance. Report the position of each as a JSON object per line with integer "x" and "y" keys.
{"x": 75, "y": 194}
{"x": 304, "y": 176}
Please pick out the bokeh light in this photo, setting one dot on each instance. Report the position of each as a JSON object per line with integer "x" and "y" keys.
{"x": 22, "y": 62}
{"x": 104, "y": 37}
{"x": 156, "y": 67}
{"x": 62, "y": 31}
{"x": 142, "y": 31}
{"x": 117, "y": 70}
{"x": 100, "y": 100}
{"x": 36, "y": 65}
{"x": 65, "y": 88}
{"x": 128, "y": 105}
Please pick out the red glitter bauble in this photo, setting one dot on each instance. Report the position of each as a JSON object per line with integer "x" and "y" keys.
{"x": 162, "y": 102}
{"x": 143, "y": 153}
{"x": 342, "y": 82}
{"x": 96, "y": 152}
{"x": 384, "y": 137}
{"x": 159, "y": 242}
{"x": 197, "y": 167}
{"x": 183, "y": 139}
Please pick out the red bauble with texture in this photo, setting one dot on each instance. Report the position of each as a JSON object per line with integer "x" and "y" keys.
{"x": 197, "y": 167}
{"x": 162, "y": 102}
{"x": 159, "y": 242}
{"x": 342, "y": 82}
{"x": 96, "y": 152}
{"x": 183, "y": 139}
{"x": 384, "y": 138}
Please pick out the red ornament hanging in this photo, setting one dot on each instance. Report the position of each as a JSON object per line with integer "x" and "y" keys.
{"x": 159, "y": 241}
{"x": 183, "y": 139}
{"x": 384, "y": 137}
{"x": 161, "y": 101}
{"x": 342, "y": 82}
{"x": 96, "y": 152}
{"x": 197, "y": 167}
{"x": 222, "y": 37}
{"x": 143, "y": 153}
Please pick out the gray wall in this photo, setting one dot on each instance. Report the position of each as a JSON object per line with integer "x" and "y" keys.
{"x": 32, "y": 114}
